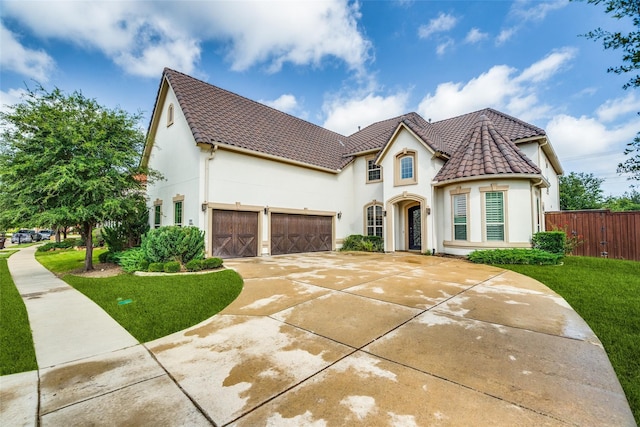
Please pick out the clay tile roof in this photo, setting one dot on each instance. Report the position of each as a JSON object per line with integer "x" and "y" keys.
{"x": 218, "y": 116}
{"x": 485, "y": 151}
{"x": 453, "y": 130}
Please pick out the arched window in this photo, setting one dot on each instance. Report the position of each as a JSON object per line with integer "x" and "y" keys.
{"x": 374, "y": 220}
{"x": 405, "y": 168}
{"x": 170, "y": 115}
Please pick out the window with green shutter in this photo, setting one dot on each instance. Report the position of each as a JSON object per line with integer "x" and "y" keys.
{"x": 157, "y": 216}
{"x": 177, "y": 213}
{"x": 460, "y": 217}
{"x": 494, "y": 215}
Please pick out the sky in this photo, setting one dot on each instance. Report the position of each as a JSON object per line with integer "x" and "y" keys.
{"x": 343, "y": 64}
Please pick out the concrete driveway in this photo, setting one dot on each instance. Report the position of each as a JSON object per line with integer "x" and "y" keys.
{"x": 370, "y": 339}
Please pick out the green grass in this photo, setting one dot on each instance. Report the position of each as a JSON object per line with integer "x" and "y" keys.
{"x": 6, "y": 253}
{"x": 160, "y": 305}
{"x": 16, "y": 344}
{"x": 63, "y": 261}
{"x": 606, "y": 293}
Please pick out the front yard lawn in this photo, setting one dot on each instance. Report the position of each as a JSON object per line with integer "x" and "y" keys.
{"x": 606, "y": 293}
{"x": 149, "y": 307}
{"x": 16, "y": 344}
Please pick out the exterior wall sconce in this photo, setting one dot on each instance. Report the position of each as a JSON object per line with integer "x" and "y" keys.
{"x": 339, "y": 215}
{"x": 266, "y": 210}
{"x": 428, "y": 211}
{"x": 203, "y": 207}
{"x": 190, "y": 222}
{"x": 384, "y": 213}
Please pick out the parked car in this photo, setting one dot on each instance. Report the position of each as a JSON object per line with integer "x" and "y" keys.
{"x": 20, "y": 237}
{"x": 36, "y": 237}
{"x": 46, "y": 234}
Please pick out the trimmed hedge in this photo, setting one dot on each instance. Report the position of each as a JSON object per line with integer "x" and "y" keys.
{"x": 133, "y": 260}
{"x": 211, "y": 263}
{"x": 357, "y": 242}
{"x": 550, "y": 241}
{"x": 514, "y": 256}
{"x": 172, "y": 267}
{"x": 156, "y": 267}
{"x": 194, "y": 265}
{"x": 65, "y": 244}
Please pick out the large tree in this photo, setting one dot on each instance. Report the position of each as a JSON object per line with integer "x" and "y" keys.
{"x": 66, "y": 160}
{"x": 580, "y": 191}
{"x": 629, "y": 44}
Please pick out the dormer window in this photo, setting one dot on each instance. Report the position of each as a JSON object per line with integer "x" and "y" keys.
{"x": 170, "y": 115}
{"x": 405, "y": 168}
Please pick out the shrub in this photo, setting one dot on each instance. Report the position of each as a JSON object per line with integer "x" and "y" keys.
{"x": 132, "y": 260}
{"x": 126, "y": 231}
{"x": 211, "y": 263}
{"x": 357, "y": 242}
{"x": 514, "y": 256}
{"x": 550, "y": 241}
{"x": 50, "y": 246}
{"x": 156, "y": 267}
{"x": 194, "y": 265}
{"x": 173, "y": 243}
{"x": 172, "y": 267}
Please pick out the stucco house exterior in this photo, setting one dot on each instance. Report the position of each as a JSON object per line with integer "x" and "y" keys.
{"x": 262, "y": 182}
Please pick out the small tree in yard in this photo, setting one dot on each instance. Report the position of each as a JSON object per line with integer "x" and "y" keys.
{"x": 64, "y": 159}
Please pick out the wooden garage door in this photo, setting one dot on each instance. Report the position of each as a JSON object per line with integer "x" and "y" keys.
{"x": 300, "y": 233}
{"x": 235, "y": 234}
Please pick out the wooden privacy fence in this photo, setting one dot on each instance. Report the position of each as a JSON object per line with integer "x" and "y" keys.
{"x": 603, "y": 233}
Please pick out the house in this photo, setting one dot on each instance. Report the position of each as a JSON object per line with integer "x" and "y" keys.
{"x": 261, "y": 182}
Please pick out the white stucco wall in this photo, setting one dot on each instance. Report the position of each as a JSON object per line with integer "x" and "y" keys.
{"x": 519, "y": 210}
{"x": 177, "y": 157}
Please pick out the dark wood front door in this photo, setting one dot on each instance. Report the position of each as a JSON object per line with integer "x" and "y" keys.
{"x": 235, "y": 234}
{"x": 415, "y": 232}
{"x": 300, "y": 233}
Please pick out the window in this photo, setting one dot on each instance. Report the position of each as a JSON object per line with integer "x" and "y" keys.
{"x": 374, "y": 220}
{"x": 177, "y": 213}
{"x": 157, "y": 216}
{"x": 405, "y": 168}
{"x": 374, "y": 172}
{"x": 494, "y": 215}
{"x": 460, "y": 217}
{"x": 170, "y": 115}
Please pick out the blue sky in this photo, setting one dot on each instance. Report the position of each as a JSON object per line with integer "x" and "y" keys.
{"x": 343, "y": 64}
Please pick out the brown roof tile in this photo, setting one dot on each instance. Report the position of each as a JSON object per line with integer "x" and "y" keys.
{"x": 218, "y": 116}
{"x": 485, "y": 151}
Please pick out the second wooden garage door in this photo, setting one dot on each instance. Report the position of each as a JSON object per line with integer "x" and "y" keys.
{"x": 300, "y": 233}
{"x": 235, "y": 234}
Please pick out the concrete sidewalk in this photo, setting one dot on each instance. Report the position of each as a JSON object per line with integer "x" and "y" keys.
{"x": 83, "y": 356}
{"x": 327, "y": 339}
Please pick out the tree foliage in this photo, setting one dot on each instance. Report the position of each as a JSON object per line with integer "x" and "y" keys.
{"x": 629, "y": 44}
{"x": 65, "y": 160}
{"x": 629, "y": 201}
{"x": 580, "y": 191}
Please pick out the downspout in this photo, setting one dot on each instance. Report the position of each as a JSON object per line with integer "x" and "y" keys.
{"x": 212, "y": 155}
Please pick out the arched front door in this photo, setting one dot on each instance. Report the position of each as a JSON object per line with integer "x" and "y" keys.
{"x": 415, "y": 228}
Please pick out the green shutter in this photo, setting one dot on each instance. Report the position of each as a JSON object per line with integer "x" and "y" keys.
{"x": 494, "y": 216}
{"x": 460, "y": 217}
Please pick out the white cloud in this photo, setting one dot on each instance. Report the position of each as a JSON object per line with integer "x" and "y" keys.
{"x": 583, "y": 136}
{"x": 505, "y": 35}
{"x": 346, "y": 115}
{"x": 501, "y": 87}
{"x": 443, "y": 47}
{"x": 12, "y": 97}
{"x": 525, "y": 12}
{"x": 548, "y": 66}
{"x": 444, "y": 22}
{"x": 614, "y": 108}
{"x": 143, "y": 37}
{"x": 287, "y": 103}
{"x": 538, "y": 10}
{"x": 35, "y": 64}
{"x": 475, "y": 35}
